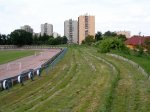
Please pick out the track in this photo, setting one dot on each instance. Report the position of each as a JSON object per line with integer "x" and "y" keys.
{"x": 15, "y": 67}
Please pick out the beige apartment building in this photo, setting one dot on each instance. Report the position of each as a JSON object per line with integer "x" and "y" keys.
{"x": 126, "y": 33}
{"x": 86, "y": 26}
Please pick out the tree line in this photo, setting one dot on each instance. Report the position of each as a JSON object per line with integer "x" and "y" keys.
{"x": 99, "y": 37}
{"x": 111, "y": 41}
{"x": 21, "y": 37}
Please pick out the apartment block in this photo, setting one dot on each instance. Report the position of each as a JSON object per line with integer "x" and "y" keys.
{"x": 55, "y": 34}
{"x": 86, "y": 26}
{"x": 126, "y": 33}
{"x": 71, "y": 30}
{"x": 47, "y": 29}
{"x": 27, "y": 28}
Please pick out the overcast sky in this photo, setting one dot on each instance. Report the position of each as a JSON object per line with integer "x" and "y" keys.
{"x": 113, "y": 15}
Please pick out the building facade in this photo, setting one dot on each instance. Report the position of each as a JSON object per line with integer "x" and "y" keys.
{"x": 55, "y": 34}
{"x": 71, "y": 30}
{"x": 126, "y": 33}
{"x": 47, "y": 29}
{"x": 27, "y": 28}
{"x": 86, "y": 26}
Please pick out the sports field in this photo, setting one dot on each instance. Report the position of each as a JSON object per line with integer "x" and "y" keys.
{"x": 84, "y": 81}
{"x": 10, "y": 55}
{"x": 34, "y": 61}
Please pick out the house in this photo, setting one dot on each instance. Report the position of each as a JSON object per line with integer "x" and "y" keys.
{"x": 137, "y": 40}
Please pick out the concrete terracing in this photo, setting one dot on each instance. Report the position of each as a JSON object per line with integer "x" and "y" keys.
{"x": 14, "y": 68}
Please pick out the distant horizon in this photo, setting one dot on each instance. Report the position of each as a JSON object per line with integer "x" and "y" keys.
{"x": 118, "y": 15}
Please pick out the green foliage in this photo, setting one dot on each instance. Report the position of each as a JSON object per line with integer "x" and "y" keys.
{"x": 140, "y": 50}
{"x": 21, "y": 37}
{"x": 49, "y": 40}
{"x": 35, "y": 39}
{"x": 147, "y": 42}
{"x": 109, "y": 34}
{"x": 64, "y": 40}
{"x": 143, "y": 60}
{"x": 98, "y": 36}
{"x": 122, "y": 37}
{"x": 110, "y": 44}
{"x": 88, "y": 40}
{"x": 57, "y": 41}
{"x": 43, "y": 39}
{"x": 5, "y": 39}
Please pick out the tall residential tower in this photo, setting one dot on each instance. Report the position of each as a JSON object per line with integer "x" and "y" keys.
{"x": 86, "y": 26}
{"x": 71, "y": 30}
{"x": 47, "y": 29}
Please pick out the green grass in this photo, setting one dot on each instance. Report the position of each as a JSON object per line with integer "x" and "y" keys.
{"x": 82, "y": 82}
{"x": 143, "y": 60}
{"x": 10, "y": 55}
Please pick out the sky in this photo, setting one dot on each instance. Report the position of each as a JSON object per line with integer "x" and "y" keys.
{"x": 112, "y": 15}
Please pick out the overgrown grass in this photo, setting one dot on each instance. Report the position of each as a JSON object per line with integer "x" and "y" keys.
{"x": 10, "y": 55}
{"x": 77, "y": 83}
{"x": 81, "y": 83}
{"x": 142, "y": 60}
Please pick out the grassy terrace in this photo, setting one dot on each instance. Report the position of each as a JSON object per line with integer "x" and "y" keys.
{"x": 10, "y": 55}
{"x": 143, "y": 61}
{"x": 81, "y": 82}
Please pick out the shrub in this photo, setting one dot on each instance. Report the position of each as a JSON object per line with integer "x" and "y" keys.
{"x": 109, "y": 44}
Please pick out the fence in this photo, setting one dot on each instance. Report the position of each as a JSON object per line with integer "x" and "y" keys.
{"x": 26, "y": 47}
{"x": 10, "y": 82}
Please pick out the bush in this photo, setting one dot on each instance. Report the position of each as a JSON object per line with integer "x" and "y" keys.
{"x": 89, "y": 40}
{"x": 109, "y": 44}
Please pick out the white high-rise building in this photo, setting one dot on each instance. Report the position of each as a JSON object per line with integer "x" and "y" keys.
{"x": 71, "y": 30}
{"x": 27, "y": 28}
{"x": 47, "y": 29}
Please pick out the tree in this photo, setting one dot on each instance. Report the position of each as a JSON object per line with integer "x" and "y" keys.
{"x": 35, "y": 40}
{"x": 122, "y": 37}
{"x": 64, "y": 40}
{"x": 89, "y": 40}
{"x": 140, "y": 50}
{"x": 98, "y": 36}
{"x": 109, "y": 34}
{"x": 21, "y": 37}
{"x": 5, "y": 39}
{"x": 44, "y": 39}
{"x": 9, "y": 40}
{"x": 111, "y": 44}
{"x": 1, "y": 40}
{"x": 147, "y": 45}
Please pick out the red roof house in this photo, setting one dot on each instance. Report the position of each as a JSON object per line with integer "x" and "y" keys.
{"x": 136, "y": 40}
